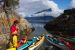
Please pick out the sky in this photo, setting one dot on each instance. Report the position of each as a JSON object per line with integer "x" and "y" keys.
{"x": 63, "y": 4}
{"x": 29, "y": 7}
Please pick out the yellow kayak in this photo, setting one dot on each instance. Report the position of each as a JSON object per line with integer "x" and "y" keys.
{"x": 11, "y": 49}
{"x": 37, "y": 43}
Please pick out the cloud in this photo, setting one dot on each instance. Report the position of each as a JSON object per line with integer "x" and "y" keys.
{"x": 27, "y": 1}
{"x": 72, "y": 4}
{"x": 51, "y": 4}
{"x": 22, "y": 14}
{"x": 56, "y": 13}
{"x": 28, "y": 7}
{"x": 31, "y": 0}
{"x": 55, "y": 9}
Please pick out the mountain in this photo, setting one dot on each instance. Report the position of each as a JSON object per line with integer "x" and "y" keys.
{"x": 65, "y": 23}
{"x": 40, "y": 16}
{"x": 40, "y": 19}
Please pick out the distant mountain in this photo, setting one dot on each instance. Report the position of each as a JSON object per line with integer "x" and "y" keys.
{"x": 65, "y": 23}
{"x": 40, "y": 19}
{"x": 42, "y": 16}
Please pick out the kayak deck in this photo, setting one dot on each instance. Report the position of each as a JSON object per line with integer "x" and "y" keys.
{"x": 56, "y": 42}
{"x": 25, "y": 45}
{"x": 37, "y": 44}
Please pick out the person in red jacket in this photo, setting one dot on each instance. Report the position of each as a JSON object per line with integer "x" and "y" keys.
{"x": 14, "y": 28}
{"x": 14, "y": 32}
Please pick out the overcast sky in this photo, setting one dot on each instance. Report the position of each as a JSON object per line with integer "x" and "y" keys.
{"x": 28, "y": 7}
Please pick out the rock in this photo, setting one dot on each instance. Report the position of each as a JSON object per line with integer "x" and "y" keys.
{"x": 4, "y": 38}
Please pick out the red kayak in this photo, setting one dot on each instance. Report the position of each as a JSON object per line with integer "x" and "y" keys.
{"x": 67, "y": 43}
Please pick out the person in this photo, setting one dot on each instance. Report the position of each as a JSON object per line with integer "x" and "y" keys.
{"x": 22, "y": 41}
{"x": 14, "y": 32}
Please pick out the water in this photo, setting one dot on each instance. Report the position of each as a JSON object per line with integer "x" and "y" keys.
{"x": 39, "y": 29}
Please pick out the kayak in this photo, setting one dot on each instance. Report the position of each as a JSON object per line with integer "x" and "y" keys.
{"x": 37, "y": 43}
{"x": 72, "y": 39}
{"x": 25, "y": 45}
{"x": 69, "y": 42}
{"x": 54, "y": 41}
{"x": 11, "y": 49}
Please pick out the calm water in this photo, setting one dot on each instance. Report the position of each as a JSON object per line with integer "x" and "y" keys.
{"x": 39, "y": 29}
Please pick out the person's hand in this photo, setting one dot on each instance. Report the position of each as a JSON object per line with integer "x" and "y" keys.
{"x": 15, "y": 32}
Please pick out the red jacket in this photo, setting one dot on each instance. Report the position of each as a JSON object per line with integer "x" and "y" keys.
{"x": 13, "y": 28}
